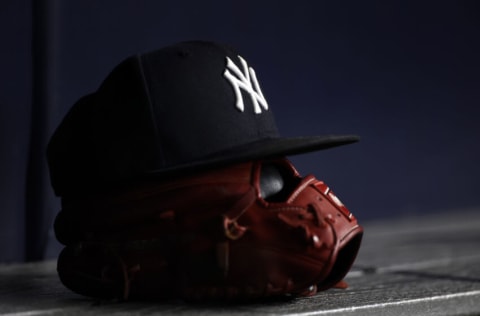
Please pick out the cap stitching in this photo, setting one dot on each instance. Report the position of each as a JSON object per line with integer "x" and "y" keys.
{"x": 152, "y": 112}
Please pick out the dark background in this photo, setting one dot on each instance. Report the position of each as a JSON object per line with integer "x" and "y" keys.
{"x": 404, "y": 75}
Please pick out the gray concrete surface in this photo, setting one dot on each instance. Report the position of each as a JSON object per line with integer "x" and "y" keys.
{"x": 410, "y": 266}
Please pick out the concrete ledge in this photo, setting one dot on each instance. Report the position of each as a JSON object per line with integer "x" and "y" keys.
{"x": 426, "y": 265}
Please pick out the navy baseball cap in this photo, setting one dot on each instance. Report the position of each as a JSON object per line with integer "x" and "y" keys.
{"x": 190, "y": 106}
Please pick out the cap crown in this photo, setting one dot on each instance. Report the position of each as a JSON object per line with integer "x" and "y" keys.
{"x": 158, "y": 111}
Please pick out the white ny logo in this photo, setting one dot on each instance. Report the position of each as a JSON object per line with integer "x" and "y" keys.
{"x": 246, "y": 81}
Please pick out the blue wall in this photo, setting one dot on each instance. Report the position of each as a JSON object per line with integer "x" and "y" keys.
{"x": 402, "y": 75}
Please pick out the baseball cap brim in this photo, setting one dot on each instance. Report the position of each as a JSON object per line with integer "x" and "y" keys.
{"x": 261, "y": 149}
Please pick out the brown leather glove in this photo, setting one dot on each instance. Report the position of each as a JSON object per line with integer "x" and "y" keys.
{"x": 246, "y": 231}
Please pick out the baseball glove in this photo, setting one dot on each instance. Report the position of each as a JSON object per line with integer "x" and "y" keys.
{"x": 251, "y": 230}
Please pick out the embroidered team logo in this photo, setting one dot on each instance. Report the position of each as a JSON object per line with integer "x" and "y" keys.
{"x": 247, "y": 81}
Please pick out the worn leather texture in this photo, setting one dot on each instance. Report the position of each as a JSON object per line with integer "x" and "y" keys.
{"x": 219, "y": 234}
